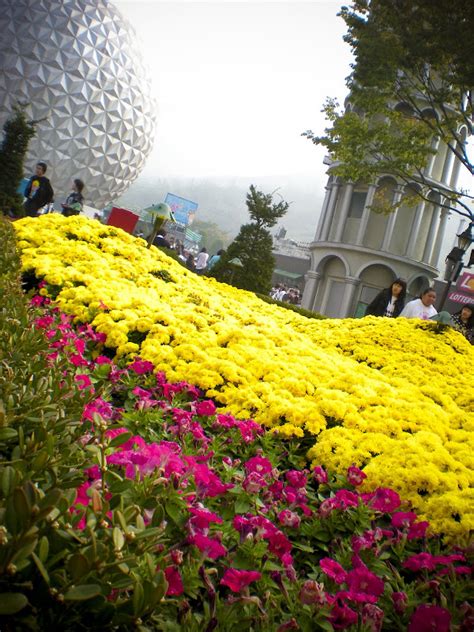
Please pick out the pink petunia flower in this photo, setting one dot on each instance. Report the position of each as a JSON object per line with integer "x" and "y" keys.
{"x": 205, "y": 408}
{"x": 333, "y": 569}
{"x": 83, "y": 381}
{"x": 355, "y": 476}
{"x": 342, "y": 616}
{"x": 417, "y": 530}
{"x": 237, "y": 580}
{"x": 140, "y": 367}
{"x": 320, "y": 475}
{"x": 296, "y": 478}
{"x": 364, "y": 586}
{"x": 400, "y": 602}
{"x": 211, "y": 547}
{"x": 175, "y": 582}
{"x": 372, "y": 617}
{"x": 258, "y": 464}
{"x": 403, "y": 519}
{"x": 386, "y": 500}
{"x": 420, "y": 561}
{"x": 428, "y": 618}
{"x": 202, "y": 517}
{"x": 289, "y": 518}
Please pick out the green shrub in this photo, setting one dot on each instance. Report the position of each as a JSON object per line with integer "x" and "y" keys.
{"x": 294, "y": 308}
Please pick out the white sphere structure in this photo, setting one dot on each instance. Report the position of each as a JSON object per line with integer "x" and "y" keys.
{"x": 76, "y": 64}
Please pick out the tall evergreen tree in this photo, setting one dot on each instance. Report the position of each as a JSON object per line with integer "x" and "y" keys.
{"x": 252, "y": 246}
{"x": 17, "y": 133}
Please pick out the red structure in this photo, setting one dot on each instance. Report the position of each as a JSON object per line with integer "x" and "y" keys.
{"x": 122, "y": 218}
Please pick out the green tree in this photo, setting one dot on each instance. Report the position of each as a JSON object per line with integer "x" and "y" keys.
{"x": 17, "y": 133}
{"x": 213, "y": 237}
{"x": 253, "y": 245}
{"x": 411, "y": 85}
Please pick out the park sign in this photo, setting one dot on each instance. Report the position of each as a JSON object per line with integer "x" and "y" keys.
{"x": 183, "y": 210}
{"x": 464, "y": 292}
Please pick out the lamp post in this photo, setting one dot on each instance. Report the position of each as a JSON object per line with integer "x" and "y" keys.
{"x": 454, "y": 261}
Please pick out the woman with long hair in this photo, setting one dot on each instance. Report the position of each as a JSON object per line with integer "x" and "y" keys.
{"x": 389, "y": 302}
{"x": 463, "y": 321}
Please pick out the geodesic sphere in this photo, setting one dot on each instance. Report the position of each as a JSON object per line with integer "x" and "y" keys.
{"x": 76, "y": 63}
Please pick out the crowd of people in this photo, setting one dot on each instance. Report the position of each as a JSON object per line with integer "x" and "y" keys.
{"x": 200, "y": 263}
{"x": 390, "y": 302}
{"x": 284, "y": 294}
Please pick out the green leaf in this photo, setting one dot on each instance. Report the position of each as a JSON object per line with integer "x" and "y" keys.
{"x": 40, "y": 567}
{"x": 6, "y": 434}
{"x": 11, "y": 603}
{"x": 83, "y": 592}
{"x": 138, "y": 599}
{"x": 118, "y": 539}
{"x": 78, "y": 566}
{"x": 119, "y": 439}
{"x": 8, "y": 480}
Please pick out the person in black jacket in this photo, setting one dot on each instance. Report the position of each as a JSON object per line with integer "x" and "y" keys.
{"x": 389, "y": 302}
{"x": 38, "y": 192}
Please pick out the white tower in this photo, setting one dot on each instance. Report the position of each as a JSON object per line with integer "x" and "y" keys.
{"x": 356, "y": 252}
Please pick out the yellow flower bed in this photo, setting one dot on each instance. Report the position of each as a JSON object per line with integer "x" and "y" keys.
{"x": 395, "y": 397}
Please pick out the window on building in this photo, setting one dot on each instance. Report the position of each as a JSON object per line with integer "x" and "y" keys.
{"x": 357, "y": 204}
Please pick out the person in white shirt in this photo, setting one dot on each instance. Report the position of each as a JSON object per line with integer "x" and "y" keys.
{"x": 201, "y": 261}
{"x": 421, "y": 307}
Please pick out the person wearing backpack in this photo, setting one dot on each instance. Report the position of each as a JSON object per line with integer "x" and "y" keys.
{"x": 38, "y": 192}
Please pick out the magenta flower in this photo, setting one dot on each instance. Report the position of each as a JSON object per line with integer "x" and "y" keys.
{"x": 83, "y": 381}
{"x": 258, "y": 464}
{"x": 175, "y": 582}
{"x": 355, "y": 476}
{"x": 289, "y": 518}
{"x": 208, "y": 484}
{"x": 140, "y": 367}
{"x": 417, "y": 530}
{"x": 400, "y": 601}
{"x": 385, "y": 500}
{"x": 342, "y": 616}
{"x": 364, "y": 586}
{"x": 279, "y": 545}
{"x": 202, "y": 518}
{"x": 237, "y": 580}
{"x": 344, "y": 499}
{"x": 320, "y": 474}
{"x": 372, "y": 617}
{"x": 211, "y": 547}
{"x": 205, "y": 408}
{"x": 333, "y": 569}
{"x": 254, "y": 483}
{"x": 403, "y": 519}
{"x": 420, "y": 561}
{"x": 430, "y": 619}
{"x": 296, "y": 478}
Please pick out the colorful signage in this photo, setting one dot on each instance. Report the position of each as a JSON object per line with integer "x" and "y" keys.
{"x": 464, "y": 292}
{"x": 183, "y": 210}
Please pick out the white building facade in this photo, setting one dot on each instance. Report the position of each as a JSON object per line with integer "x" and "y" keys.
{"x": 356, "y": 252}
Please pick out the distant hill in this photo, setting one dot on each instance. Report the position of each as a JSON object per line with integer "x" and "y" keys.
{"x": 222, "y": 200}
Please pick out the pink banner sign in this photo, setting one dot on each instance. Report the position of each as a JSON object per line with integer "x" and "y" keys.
{"x": 466, "y": 283}
{"x": 458, "y": 297}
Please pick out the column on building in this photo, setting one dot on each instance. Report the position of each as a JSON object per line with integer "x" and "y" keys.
{"x": 439, "y": 238}
{"x": 387, "y": 238}
{"x": 347, "y": 304}
{"x": 435, "y": 218}
{"x": 312, "y": 279}
{"x": 346, "y": 202}
{"x": 432, "y": 158}
{"x": 415, "y": 229}
{"x": 448, "y": 166}
{"x": 330, "y": 211}
{"x": 365, "y": 214}
{"x": 322, "y": 216}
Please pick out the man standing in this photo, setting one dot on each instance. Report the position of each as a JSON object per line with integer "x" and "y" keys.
{"x": 38, "y": 191}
